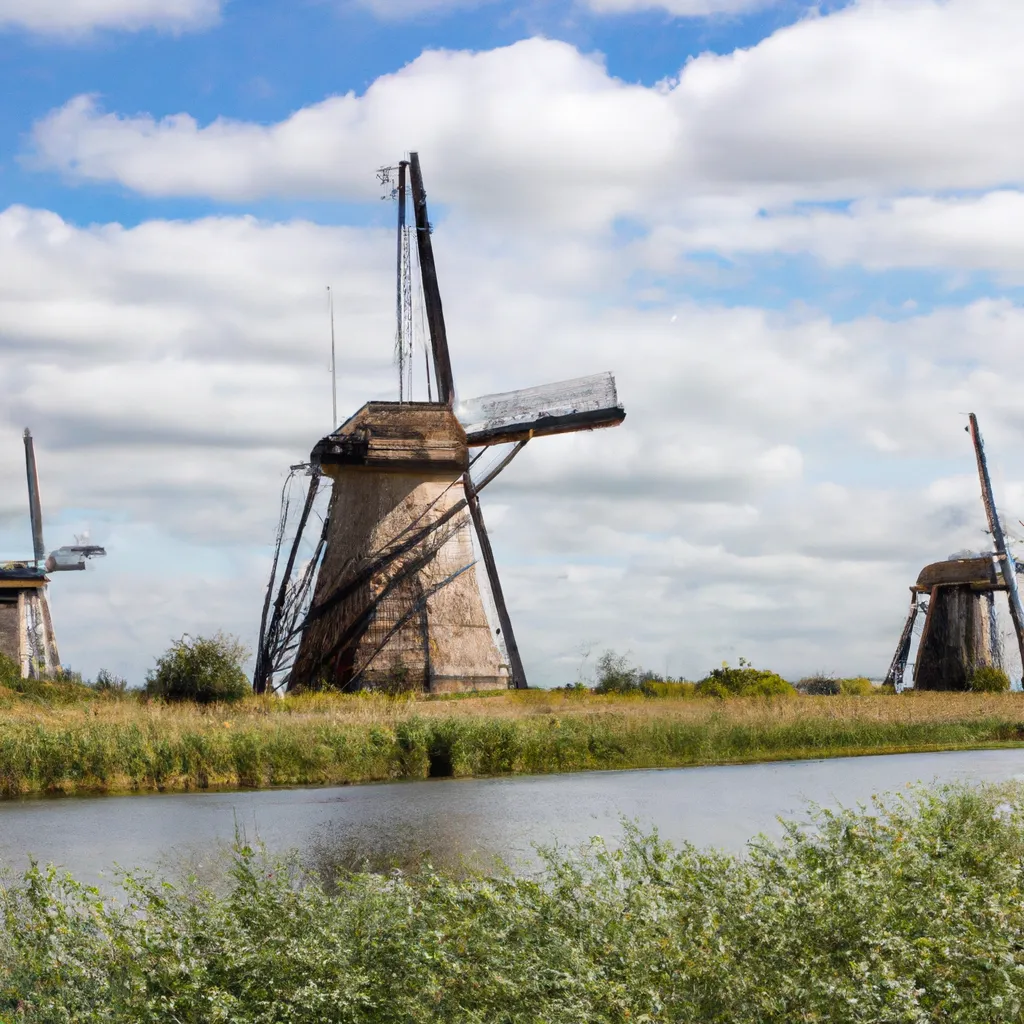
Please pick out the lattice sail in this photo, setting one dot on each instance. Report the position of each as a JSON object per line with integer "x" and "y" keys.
{"x": 583, "y": 403}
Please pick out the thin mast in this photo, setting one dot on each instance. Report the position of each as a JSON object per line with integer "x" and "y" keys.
{"x": 999, "y": 540}
{"x": 431, "y": 291}
{"x": 334, "y": 375}
{"x": 400, "y": 288}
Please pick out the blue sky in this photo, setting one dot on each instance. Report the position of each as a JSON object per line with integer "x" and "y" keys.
{"x": 793, "y": 233}
{"x": 266, "y": 59}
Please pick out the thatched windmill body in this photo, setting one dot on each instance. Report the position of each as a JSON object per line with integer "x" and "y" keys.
{"x": 390, "y": 596}
{"x": 26, "y": 628}
{"x": 957, "y": 597}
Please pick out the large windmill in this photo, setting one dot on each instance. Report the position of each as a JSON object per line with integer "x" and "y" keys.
{"x": 957, "y": 597}
{"x": 389, "y": 595}
{"x": 26, "y": 629}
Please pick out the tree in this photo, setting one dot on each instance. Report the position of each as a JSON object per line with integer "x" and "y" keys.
{"x": 201, "y": 669}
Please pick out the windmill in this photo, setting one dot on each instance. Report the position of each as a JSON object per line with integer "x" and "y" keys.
{"x": 389, "y": 596}
{"x": 26, "y": 630}
{"x": 957, "y": 597}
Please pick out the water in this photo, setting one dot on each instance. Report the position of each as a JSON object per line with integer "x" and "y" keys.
{"x": 471, "y": 820}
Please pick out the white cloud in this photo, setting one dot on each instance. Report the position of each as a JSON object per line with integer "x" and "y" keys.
{"x": 61, "y": 17}
{"x": 172, "y": 371}
{"x": 875, "y": 100}
{"x": 957, "y": 234}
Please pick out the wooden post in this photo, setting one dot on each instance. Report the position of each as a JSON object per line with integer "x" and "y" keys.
{"x": 431, "y": 291}
{"x": 35, "y": 509}
{"x": 516, "y": 662}
{"x": 1004, "y": 556}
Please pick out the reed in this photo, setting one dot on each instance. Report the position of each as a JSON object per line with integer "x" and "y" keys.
{"x": 120, "y": 745}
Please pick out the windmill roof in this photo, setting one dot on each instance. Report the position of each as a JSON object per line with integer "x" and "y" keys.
{"x": 397, "y": 437}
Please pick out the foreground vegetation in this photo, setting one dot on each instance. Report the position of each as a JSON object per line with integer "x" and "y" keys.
{"x": 906, "y": 914}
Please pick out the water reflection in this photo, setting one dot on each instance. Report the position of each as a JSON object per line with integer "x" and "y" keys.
{"x": 458, "y": 824}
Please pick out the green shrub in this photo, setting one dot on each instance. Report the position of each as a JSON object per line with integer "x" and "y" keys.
{"x": 201, "y": 669}
{"x": 616, "y": 675}
{"x": 858, "y": 686}
{"x": 988, "y": 679}
{"x": 744, "y": 681}
{"x": 909, "y": 911}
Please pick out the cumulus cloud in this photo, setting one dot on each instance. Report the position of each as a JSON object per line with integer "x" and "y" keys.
{"x": 61, "y": 17}
{"x": 956, "y": 234}
{"x": 861, "y": 103}
{"x": 780, "y": 478}
{"x": 172, "y": 371}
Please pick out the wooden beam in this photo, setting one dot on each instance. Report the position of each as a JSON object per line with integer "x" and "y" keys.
{"x": 515, "y": 661}
{"x": 431, "y": 290}
{"x": 546, "y": 425}
{"x": 996, "y": 529}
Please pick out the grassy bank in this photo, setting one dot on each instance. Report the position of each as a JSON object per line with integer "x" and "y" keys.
{"x": 908, "y": 915}
{"x": 119, "y": 745}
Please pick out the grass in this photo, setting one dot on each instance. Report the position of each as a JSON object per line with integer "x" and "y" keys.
{"x": 106, "y": 744}
{"x": 910, "y": 912}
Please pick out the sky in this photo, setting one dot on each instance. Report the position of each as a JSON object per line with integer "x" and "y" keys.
{"x": 793, "y": 232}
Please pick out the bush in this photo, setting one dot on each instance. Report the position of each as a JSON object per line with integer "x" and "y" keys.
{"x": 616, "y": 675}
{"x": 822, "y": 685}
{"x": 988, "y": 679}
{"x": 819, "y": 686}
{"x": 909, "y": 911}
{"x": 858, "y": 686}
{"x": 744, "y": 681}
{"x": 201, "y": 669}
{"x": 107, "y": 682}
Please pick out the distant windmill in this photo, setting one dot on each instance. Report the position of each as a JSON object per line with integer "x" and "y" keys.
{"x": 26, "y": 630}
{"x": 958, "y": 599}
{"x": 389, "y": 596}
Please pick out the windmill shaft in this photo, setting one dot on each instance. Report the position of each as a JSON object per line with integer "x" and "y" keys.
{"x": 431, "y": 290}
{"x": 1009, "y": 568}
{"x": 34, "y": 504}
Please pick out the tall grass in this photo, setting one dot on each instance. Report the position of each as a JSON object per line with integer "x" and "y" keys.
{"x": 110, "y": 745}
{"x": 908, "y": 913}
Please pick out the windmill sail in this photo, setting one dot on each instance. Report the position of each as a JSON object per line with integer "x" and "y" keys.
{"x": 584, "y": 403}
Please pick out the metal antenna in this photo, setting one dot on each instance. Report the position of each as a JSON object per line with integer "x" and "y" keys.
{"x": 400, "y": 339}
{"x": 1002, "y": 553}
{"x": 334, "y": 375}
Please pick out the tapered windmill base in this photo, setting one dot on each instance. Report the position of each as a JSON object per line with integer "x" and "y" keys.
{"x": 397, "y": 605}
{"x": 957, "y": 639}
{"x": 26, "y": 630}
